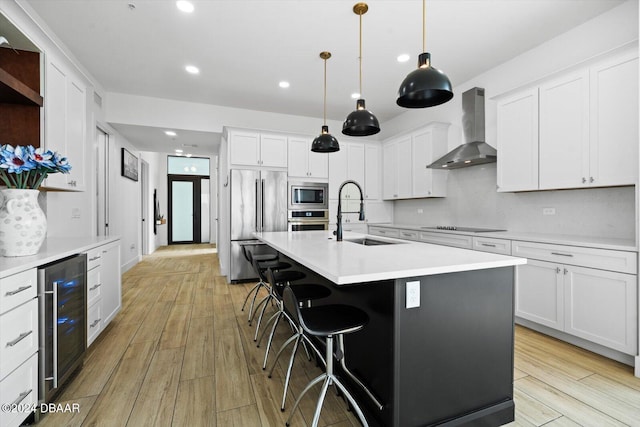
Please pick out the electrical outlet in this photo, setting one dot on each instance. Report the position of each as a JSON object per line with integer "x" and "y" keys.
{"x": 548, "y": 211}
{"x": 75, "y": 213}
{"x": 413, "y": 294}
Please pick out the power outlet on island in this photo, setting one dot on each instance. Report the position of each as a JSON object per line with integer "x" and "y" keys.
{"x": 413, "y": 294}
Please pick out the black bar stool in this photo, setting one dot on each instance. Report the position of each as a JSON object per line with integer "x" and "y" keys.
{"x": 305, "y": 293}
{"x": 284, "y": 277}
{"x": 259, "y": 263}
{"x": 329, "y": 321}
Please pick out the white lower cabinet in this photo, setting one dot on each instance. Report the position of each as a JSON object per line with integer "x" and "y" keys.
{"x": 598, "y": 305}
{"x": 104, "y": 290}
{"x": 18, "y": 346}
{"x": 539, "y": 293}
{"x": 19, "y": 389}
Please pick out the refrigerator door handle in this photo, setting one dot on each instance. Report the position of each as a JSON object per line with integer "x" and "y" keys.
{"x": 257, "y": 206}
{"x": 262, "y": 205}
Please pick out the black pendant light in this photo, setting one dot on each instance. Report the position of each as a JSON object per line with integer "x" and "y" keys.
{"x": 360, "y": 122}
{"x": 325, "y": 142}
{"x": 426, "y": 86}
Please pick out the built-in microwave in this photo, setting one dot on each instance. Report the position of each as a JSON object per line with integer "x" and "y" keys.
{"x": 308, "y": 195}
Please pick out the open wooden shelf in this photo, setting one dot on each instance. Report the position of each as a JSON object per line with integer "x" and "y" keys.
{"x": 13, "y": 91}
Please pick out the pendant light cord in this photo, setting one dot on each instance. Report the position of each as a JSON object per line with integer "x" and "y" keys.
{"x": 324, "y": 111}
{"x": 424, "y": 25}
{"x": 360, "y": 57}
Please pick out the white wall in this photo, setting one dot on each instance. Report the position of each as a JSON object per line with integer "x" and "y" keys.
{"x": 472, "y": 199}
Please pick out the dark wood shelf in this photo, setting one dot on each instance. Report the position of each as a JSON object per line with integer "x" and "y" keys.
{"x": 13, "y": 91}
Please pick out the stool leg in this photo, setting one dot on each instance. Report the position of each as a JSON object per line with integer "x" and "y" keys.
{"x": 351, "y": 400}
{"x": 252, "y": 291}
{"x": 313, "y": 382}
{"x": 282, "y": 348}
{"x": 289, "y": 369}
{"x": 323, "y": 394}
{"x": 257, "y": 288}
{"x": 343, "y": 363}
{"x": 262, "y": 301}
{"x": 266, "y": 326}
{"x": 264, "y": 307}
{"x": 270, "y": 340}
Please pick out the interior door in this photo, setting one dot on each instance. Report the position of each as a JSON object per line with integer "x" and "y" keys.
{"x": 184, "y": 209}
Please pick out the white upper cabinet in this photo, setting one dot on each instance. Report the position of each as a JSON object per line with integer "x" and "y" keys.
{"x": 614, "y": 121}
{"x": 65, "y": 120}
{"x": 348, "y": 163}
{"x": 584, "y": 133}
{"x": 372, "y": 169}
{"x": 304, "y": 163}
{"x": 517, "y": 146}
{"x": 257, "y": 150}
{"x": 564, "y": 131}
{"x": 405, "y": 160}
{"x": 425, "y": 144}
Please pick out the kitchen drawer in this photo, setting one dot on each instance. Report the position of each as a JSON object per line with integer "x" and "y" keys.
{"x": 488, "y": 244}
{"x": 18, "y": 289}
{"x": 408, "y": 234}
{"x": 457, "y": 240}
{"x": 18, "y": 336}
{"x": 94, "y": 285}
{"x": 387, "y": 232}
{"x": 94, "y": 256}
{"x": 603, "y": 259}
{"x": 94, "y": 322}
{"x": 21, "y": 389}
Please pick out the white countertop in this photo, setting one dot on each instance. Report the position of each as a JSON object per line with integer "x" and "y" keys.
{"x": 559, "y": 239}
{"x": 347, "y": 262}
{"x": 53, "y": 249}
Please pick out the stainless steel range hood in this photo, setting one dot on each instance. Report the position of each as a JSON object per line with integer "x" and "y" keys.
{"x": 475, "y": 151}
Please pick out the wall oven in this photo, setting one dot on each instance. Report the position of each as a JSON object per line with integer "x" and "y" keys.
{"x": 306, "y": 220}
{"x": 308, "y": 195}
{"x": 63, "y": 326}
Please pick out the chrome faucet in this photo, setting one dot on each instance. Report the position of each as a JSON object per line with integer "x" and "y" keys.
{"x": 338, "y": 232}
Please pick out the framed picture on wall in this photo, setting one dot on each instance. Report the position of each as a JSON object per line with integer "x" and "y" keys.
{"x": 129, "y": 165}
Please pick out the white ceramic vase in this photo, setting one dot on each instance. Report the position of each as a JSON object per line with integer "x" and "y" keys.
{"x": 23, "y": 225}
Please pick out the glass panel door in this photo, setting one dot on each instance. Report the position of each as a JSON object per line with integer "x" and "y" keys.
{"x": 182, "y": 211}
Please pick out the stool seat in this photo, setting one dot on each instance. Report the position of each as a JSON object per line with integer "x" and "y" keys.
{"x": 332, "y": 319}
{"x": 264, "y": 257}
{"x": 288, "y": 276}
{"x": 306, "y": 291}
{"x": 274, "y": 265}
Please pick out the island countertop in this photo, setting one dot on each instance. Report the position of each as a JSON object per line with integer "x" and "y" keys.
{"x": 347, "y": 262}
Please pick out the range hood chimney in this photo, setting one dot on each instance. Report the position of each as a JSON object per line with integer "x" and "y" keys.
{"x": 475, "y": 150}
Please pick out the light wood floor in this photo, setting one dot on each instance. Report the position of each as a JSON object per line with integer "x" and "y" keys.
{"x": 181, "y": 353}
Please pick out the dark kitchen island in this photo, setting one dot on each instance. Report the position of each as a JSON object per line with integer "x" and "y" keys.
{"x": 445, "y": 360}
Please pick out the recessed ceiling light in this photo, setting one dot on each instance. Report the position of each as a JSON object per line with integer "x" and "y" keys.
{"x": 284, "y": 84}
{"x": 185, "y": 6}
{"x": 192, "y": 69}
{"x": 355, "y": 95}
{"x": 170, "y": 133}
{"x": 188, "y": 155}
{"x": 404, "y": 57}
{"x": 178, "y": 150}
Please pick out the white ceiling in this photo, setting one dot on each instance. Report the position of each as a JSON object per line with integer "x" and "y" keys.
{"x": 245, "y": 47}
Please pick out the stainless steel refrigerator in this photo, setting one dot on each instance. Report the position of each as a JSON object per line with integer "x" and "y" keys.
{"x": 258, "y": 203}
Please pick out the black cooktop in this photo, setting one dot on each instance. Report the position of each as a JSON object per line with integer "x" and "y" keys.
{"x": 467, "y": 229}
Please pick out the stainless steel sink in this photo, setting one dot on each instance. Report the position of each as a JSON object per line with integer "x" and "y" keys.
{"x": 366, "y": 241}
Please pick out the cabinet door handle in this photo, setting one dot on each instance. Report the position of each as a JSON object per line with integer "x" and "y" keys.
{"x": 558, "y": 270}
{"x": 21, "y": 397}
{"x": 407, "y": 234}
{"x": 561, "y": 254}
{"x": 566, "y": 271}
{"x": 20, "y": 338}
{"x": 591, "y": 179}
{"x": 584, "y": 180}
{"x": 16, "y": 291}
{"x": 93, "y": 288}
{"x": 95, "y": 322}
{"x": 94, "y": 258}
{"x": 488, "y": 244}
